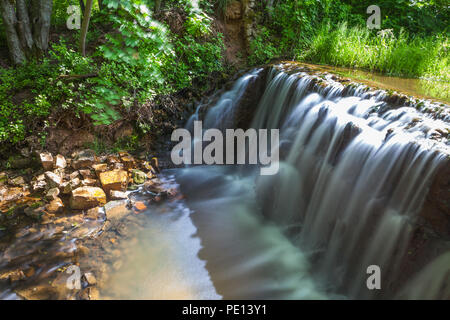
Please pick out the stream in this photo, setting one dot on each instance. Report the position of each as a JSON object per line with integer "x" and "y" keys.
{"x": 353, "y": 179}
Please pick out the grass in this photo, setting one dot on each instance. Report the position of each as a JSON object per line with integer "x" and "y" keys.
{"x": 399, "y": 55}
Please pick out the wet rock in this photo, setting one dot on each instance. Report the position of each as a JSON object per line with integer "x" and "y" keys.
{"x": 55, "y": 206}
{"x": 94, "y": 213}
{"x": 87, "y": 197}
{"x": 83, "y": 159}
{"x": 53, "y": 179}
{"x": 114, "y": 180}
{"x": 41, "y": 292}
{"x": 117, "y": 195}
{"x": 35, "y": 212}
{"x": 60, "y": 162}
{"x": 46, "y": 160}
{"x": 139, "y": 177}
{"x": 52, "y": 194}
{"x": 90, "y": 278}
{"x": 116, "y": 210}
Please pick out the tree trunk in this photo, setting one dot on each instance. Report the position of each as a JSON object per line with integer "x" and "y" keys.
{"x": 24, "y": 27}
{"x": 85, "y": 26}
{"x": 100, "y": 4}
{"x": 27, "y": 26}
{"x": 41, "y": 11}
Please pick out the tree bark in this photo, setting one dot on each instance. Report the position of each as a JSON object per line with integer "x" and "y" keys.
{"x": 24, "y": 26}
{"x": 85, "y": 26}
{"x": 10, "y": 21}
{"x": 100, "y": 4}
{"x": 41, "y": 11}
{"x": 157, "y": 5}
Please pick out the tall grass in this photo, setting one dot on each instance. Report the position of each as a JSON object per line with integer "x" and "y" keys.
{"x": 385, "y": 52}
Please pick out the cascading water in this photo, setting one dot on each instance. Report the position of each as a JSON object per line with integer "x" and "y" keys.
{"x": 353, "y": 177}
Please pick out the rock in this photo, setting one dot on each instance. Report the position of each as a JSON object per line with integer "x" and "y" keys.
{"x": 90, "y": 278}
{"x": 17, "y": 181}
{"x": 86, "y": 173}
{"x": 139, "y": 177}
{"x": 127, "y": 160}
{"x": 113, "y": 159}
{"x": 101, "y": 167}
{"x": 60, "y": 162}
{"x": 94, "y": 213}
{"x": 69, "y": 186}
{"x": 52, "y": 194}
{"x": 89, "y": 182}
{"x": 35, "y": 213}
{"x": 114, "y": 180}
{"x": 16, "y": 276}
{"x": 116, "y": 210}
{"x": 46, "y": 160}
{"x": 155, "y": 164}
{"x": 38, "y": 183}
{"x": 11, "y": 194}
{"x": 74, "y": 175}
{"x": 117, "y": 195}
{"x": 55, "y": 206}
{"x": 53, "y": 180}
{"x": 87, "y": 197}
{"x": 83, "y": 159}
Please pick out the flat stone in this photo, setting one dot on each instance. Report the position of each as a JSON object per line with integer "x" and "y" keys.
{"x": 89, "y": 182}
{"x": 46, "y": 160}
{"x": 87, "y": 197}
{"x": 114, "y": 180}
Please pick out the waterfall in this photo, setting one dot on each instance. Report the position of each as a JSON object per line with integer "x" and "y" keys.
{"x": 353, "y": 178}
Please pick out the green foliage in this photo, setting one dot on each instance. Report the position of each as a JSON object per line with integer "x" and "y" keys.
{"x": 413, "y": 42}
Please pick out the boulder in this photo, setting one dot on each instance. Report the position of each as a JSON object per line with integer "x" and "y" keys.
{"x": 87, "y": 198}
{"x": 116, "y": 210}
{"x": 86, "y": 173}
{"x": 46, "y": 160}
{"x": 114, "y": 180}
{"x": 89, "y": 182}
{"x": 101, "y": 167}
{"x": 68, "y": 187}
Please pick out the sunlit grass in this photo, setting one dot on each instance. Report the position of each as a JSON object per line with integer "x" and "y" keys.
{"x": 385, "y": 52}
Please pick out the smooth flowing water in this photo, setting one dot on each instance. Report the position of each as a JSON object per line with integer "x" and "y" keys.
{"x": 352, "y": 180}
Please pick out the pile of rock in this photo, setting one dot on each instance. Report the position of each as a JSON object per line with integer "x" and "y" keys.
{"x": 81, "y": 182}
